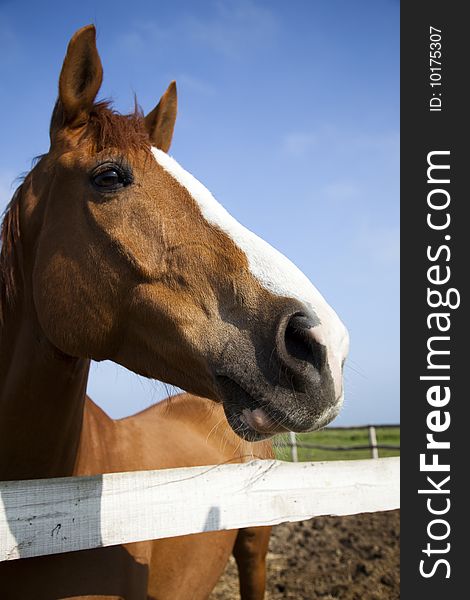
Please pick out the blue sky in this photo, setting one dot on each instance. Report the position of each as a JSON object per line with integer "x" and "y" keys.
{"x": 288, "y": 113}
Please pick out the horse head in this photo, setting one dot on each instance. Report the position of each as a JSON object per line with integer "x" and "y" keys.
{"x": 132, "y": 259}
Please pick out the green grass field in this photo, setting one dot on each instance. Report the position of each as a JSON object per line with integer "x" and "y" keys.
{"x": 340, "y": 437}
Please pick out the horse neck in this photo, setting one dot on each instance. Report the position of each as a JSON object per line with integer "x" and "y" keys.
{"x": 42, "y": 395}
{"x": 100, "y": 449}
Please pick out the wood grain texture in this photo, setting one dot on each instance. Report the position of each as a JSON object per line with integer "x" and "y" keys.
{"x": 59, "y": 515}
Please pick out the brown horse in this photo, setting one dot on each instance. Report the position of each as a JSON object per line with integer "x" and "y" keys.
{"x": 111, "y": 250}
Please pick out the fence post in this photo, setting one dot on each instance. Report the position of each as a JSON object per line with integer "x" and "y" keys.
{"x": 373, "y": 442}
{"x": 293, "y": 446}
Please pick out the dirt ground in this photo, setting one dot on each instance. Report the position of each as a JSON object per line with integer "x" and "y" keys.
{"x": 349, "y": 558}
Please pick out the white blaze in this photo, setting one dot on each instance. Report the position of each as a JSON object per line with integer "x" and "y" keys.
{"x": 272, "y": 269}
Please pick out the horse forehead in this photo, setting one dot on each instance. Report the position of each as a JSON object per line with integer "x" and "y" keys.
{"x": 273, "y": 270}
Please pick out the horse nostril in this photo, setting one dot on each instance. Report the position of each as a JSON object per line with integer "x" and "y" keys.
{"x": 301, "y": 343}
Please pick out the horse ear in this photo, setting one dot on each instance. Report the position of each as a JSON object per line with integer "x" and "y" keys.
{"x": 80, "y": 80}
{"x": 160, "y": 123}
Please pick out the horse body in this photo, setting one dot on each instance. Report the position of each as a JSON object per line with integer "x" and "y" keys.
{"x": 111, "y": 250}
{"x": 182, "y": 431}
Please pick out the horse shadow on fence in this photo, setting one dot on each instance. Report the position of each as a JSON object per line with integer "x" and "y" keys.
{"x": 98, "y": 572}
{"x": 212, "y": 522}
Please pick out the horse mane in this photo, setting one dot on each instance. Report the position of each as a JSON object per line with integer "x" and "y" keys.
{"x": 9, "y": 236}
{"x": 110, "y": 129}
{"x": 107, "y": 129}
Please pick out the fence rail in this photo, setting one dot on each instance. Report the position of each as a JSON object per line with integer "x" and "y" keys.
{"x": 351, "y": 427}
{"x": 308, "y": 446}
{"x": 294, "y": 444}
{"x": 48, "y": 516}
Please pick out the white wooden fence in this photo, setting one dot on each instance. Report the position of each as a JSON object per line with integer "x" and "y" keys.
{"x": 59, "y": 515}
{"x": 294, "y": 443}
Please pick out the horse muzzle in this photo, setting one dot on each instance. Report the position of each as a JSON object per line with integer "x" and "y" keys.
{"x": 293, "y": 384}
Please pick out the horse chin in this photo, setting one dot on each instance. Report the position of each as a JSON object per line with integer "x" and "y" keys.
{"x": 329, "y": 415}
{"x": 251, "y": 419}
{"x": 245, "y": 429}
{"x": 255, "y": 420}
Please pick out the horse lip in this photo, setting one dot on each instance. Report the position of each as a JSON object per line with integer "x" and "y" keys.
{"x": 331, "y": 413}
{"x": 236, "y": 401}
{"x": 261, "y": 422}
{"x": 240, "y": 408}
{"x": 232, "y": 392}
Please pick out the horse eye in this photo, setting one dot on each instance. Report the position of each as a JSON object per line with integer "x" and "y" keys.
{"x": 109, "y": 180}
